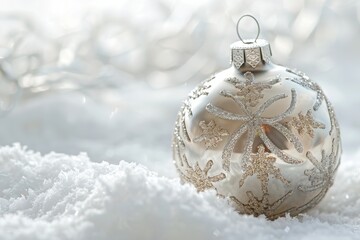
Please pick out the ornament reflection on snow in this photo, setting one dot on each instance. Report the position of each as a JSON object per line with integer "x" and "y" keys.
{"x": 262, "y": 135}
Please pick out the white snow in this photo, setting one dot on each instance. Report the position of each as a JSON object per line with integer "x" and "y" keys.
{"x": 58, "y": 196}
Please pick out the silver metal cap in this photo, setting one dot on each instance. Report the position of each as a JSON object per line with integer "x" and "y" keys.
{"x": 251, "y": 51}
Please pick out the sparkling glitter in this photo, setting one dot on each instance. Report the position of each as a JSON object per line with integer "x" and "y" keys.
{"x": 283, "y": 115}
{"x": 212, "y": 134}
{"x": 249, "y": 91}
{"x": 320, "y": 96}
{"x": 224, "y": 114}
{"x": 274, "y": 149}
{"x": 257, "y": 206}
{"x": 199, "y": 177}
{"x": 254, "y": 121}
{"x": 178, "y": 144}
{"x": 227, "y": 152}
{"x": 307, "y": 83}
{"x": 182, "y": 123}
{"x": 305, "y": 124}
{"x": 322, "y": 175}
{"x": 289, "y": 135}
{"x": 200, "y": 90}
{"x": 262, "y": 165}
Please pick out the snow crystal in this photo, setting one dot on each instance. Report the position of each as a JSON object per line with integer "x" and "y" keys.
{"x": 58, "y": 196}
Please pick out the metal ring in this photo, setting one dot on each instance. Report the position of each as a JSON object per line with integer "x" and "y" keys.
{"x": 237, "y": 27}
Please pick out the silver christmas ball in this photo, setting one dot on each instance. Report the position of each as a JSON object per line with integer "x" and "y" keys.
{"x": 262, "y": 135}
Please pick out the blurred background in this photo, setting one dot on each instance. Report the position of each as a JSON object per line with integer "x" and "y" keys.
{"x": 108, "y": 77}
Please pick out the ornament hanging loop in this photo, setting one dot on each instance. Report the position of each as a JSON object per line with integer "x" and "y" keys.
{"x": 237, "y": 28}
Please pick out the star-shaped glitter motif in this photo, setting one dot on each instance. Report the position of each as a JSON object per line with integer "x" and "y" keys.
{"x": 262, "y": 165}
{"x": 305, "y": 124}
{"x": 250, "y": 91}
{"x": 322, "y": 175}
{"x": 257, "y": 206}
{"x": 199, "y": 177}
{"x": 211, "y": 134}
{"x": 306, "y": 82}
{"x": 255, "y": 125}
{"x": 201, "y": 90}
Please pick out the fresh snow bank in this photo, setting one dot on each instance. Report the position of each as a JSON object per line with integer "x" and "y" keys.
{"x": 58, "y": 196}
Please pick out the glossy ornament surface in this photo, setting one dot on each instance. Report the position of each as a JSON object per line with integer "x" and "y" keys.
{"x": 264, "y": 136}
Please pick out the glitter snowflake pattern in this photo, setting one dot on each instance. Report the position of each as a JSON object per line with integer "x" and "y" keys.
{"x": 186, "y": 108}
{"x": 199, "y": 177}
{"x": 201, "y": 90}
{"x": 178, "y": 143}
{"x": 254, "y": 124}
{"x": 307, "y": 83}
{"x": 333, "y": 120}
{"x": 257, "y": 206}
{"x": 305, "y": 124}
{"x": 211, "y": 134}
{"x": 249, "y": 91}
{"x": 181, "y": 122}
{"x": 322, "y": 175}
{"x": 262, "y": 164}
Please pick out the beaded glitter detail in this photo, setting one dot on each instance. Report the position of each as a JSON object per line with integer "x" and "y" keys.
{"x": 250, "y": 91}
{"x": 262, "y": 164}
{"x": 254, "y": 124}
{"x": 199, "y": 177}
{"x": 306, "y": 82}
{"x": 305, "y": 124}
{"x": 258, "y": 206}
{"x": 322, "y": 175}
{"x": 212, "y": 134}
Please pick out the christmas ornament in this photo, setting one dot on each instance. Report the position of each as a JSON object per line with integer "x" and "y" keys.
{"x": 263, "y": 135}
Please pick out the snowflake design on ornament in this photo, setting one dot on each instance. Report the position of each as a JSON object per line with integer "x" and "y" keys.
{"x": 178, "y": 143}
{"x": 180, "y": 123}
{"x": 249, "y": 91}
{"x": 262, "y": 164}
{"x": 199, "y": 177}
{"x": 211, "y": 134}
{"x": 307, "y": 83}
{"x": 305, "y": 124}
{"x": 256, "y": 125}
{"x": 201, "y": 90}
{"x": 257, "y": 206}
{"x": 322, "y": 175}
